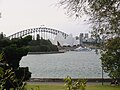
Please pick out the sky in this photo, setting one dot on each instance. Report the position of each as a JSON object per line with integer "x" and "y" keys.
{"x": 18, "y": 15}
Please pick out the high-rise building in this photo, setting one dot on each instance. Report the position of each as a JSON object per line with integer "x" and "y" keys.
{"x": 81, "y": 38}
{"x": 86, "y": 35}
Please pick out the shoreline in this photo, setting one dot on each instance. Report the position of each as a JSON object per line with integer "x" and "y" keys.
{"x": 62, "y": 79}
{"x": 51, "y": 52}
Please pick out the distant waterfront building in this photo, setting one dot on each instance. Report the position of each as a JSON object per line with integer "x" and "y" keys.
{"x": 81, "y": 38}
{"x": 69, "y": 41}
{"x": 86, "y": 35}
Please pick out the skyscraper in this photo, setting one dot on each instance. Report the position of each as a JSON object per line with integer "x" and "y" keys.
{"x": 81, "y": 38}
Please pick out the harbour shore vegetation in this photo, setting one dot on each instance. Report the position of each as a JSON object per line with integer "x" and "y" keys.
{"x": 42, "y": 45}
{"x": 11, "y": 74}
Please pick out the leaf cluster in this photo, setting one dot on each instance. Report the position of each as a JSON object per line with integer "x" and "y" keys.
{"x": 74, "y": 84}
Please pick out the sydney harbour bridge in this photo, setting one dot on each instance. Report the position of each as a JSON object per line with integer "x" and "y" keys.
{"x": 43, "y": 32}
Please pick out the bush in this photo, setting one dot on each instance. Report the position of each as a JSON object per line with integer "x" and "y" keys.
{"x": 74, "y": 84}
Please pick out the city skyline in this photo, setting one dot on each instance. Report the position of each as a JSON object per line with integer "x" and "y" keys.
{"x": 18, "y": 15}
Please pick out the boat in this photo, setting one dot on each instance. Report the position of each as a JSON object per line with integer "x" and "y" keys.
{"x": 82, "y": 49}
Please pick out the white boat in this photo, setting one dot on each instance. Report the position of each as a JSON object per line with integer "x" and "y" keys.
{"x": 82, "y": 49}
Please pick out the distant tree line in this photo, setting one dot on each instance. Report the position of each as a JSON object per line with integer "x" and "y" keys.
{"x": 42, "y": 45}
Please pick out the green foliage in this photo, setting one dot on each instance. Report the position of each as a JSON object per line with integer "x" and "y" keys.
{"x": 74, "y": 85}
{"x": 1, "y": 72}
{"x": 6, "y": 73}
{"x": 110, "y": 57}
{"x": 13, "y": 50}
{"x": 33, "y": 87}
{"x": 22, "y": 41}
{"x": 42, "y": 45}
{"x": 4, "y": 42}
{"x": 9, "y": 78}
{"x": 2, "y": 36}
{"x": 88, "y": 87}
{"x": 14, "y": 54}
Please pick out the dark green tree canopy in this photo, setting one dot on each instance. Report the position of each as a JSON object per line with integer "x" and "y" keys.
{"x": 13, "y": 50}
{"x": 42, "y": 45}
{"x": 111, "y": 57}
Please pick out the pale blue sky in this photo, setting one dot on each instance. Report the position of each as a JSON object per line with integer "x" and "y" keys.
{"x": 19, "y": 15}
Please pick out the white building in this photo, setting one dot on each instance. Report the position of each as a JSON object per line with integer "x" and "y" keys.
{"x": 69, "y": 41}
{"x": 59, "y": 38}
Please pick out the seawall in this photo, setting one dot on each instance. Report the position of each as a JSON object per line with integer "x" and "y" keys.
{"x": 62, "y": 79}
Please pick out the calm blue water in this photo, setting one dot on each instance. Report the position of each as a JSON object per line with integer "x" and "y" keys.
{"x": 75, "y": 64}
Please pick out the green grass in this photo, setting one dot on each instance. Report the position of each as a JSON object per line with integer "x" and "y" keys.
{"x": 104, "y": 87}
{"x": 61, "y": 87}
{"x": 46, "y": 87}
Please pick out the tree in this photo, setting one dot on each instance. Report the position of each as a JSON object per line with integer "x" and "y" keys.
{"x": 42, "y": 46}
{"x": 71, "y": 84}
{"x": 13, "y": 51}
{"x": 9, "y": 78}
{"x": 1, "y": 35}
{"x": 38, "y": 37}
{"x": 111, "y": 57}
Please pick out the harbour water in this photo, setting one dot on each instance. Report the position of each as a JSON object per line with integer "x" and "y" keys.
{"x": 75, "y": 64}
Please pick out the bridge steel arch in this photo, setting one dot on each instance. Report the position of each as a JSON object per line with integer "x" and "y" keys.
{"x": 42, "y": 31}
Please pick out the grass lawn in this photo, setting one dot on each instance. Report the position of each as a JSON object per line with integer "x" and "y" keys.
{"x": 61, "y": 87}
{"x": 45, "y": 87}
{"x": 104, "y": 87}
